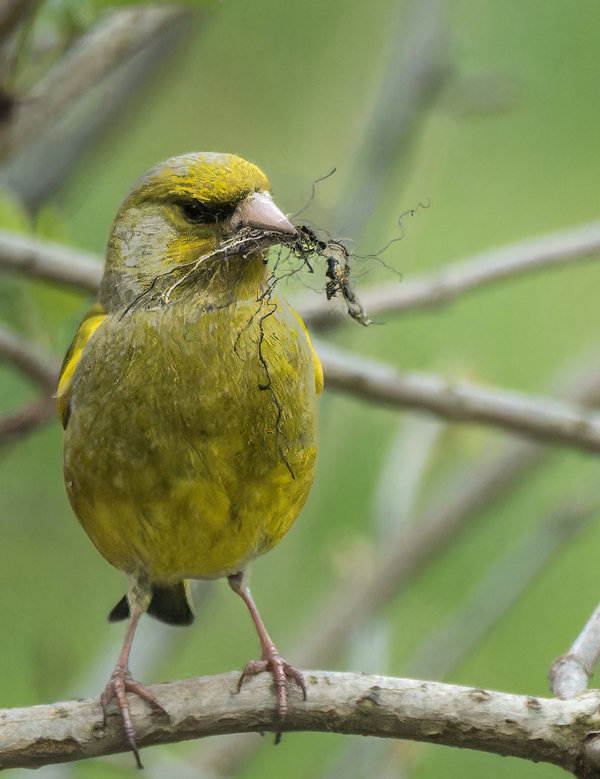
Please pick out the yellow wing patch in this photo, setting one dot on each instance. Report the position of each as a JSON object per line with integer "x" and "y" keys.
{"x": 319, "y": 379}
{"x": 92, "y": 319}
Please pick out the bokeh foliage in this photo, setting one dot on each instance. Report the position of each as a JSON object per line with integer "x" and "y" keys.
{"x": 505, "y": 148}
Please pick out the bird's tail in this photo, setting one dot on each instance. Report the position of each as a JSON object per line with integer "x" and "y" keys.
{"x": 170, "y": 603}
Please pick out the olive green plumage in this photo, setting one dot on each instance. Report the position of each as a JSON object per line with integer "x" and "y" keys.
{"x": 185, "y": 456}
{"x": 189, "y": 393}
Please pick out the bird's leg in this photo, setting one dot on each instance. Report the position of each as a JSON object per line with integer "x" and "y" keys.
{"x": 271, "y": 659}
{"x": 121, "y": 682}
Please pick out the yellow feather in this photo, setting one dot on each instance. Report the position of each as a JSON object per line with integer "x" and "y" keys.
{"x": 94, "y": 317}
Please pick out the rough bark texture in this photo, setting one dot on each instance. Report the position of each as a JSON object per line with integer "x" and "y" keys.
{"x": 537, "y": 729}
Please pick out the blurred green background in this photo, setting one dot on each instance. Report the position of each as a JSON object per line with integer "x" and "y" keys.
{"x": 502, "y": 145}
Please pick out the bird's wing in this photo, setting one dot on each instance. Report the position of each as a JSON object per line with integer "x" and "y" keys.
{"x": 94, "y": 317}
{"x": 319, "y": 379}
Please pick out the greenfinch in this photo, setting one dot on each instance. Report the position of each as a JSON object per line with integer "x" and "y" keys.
{"x": 188, "y": 398}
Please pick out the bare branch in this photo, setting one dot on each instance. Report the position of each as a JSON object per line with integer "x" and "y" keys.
{"x": 452, "y": 281}
{"x": 30, "y": 359}
{"x": 551, "y": 421}
{"x": 18, "y": 424}
{"x": 539, "y": 729}
{"x": 51, "y": 261}
{"x": 40, "y": 367}
{"x": 571, "y": 672}
{"x": 544, "y": 419}
{"x": 54, "y": 262}
{"x": 99, "y": 52}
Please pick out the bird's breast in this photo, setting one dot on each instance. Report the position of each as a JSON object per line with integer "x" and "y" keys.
{"x": 191, "y": 443}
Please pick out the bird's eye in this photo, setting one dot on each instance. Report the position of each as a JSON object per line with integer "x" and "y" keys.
{"x": 205, "y": 213}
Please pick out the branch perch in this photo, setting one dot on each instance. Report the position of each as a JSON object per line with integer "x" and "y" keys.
{"x": 541, "y": 418}
{"x": 539, "y": 729}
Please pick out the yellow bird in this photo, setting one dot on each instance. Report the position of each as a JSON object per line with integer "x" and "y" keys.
{"x": 188, "y": 398}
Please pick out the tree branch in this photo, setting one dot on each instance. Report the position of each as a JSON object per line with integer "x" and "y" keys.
{"x": 30, "y": 359}
{"x": 50, "y": 261}
{"x": 539, "y": 729}
{"x": 42, "y": 369}
{"x": 571, "y": 672}
{"x": 53, "y": 262}
{"x": 19, "y": 423}
{"x": 98, "y": 53}
{"x": 541, "y": 418}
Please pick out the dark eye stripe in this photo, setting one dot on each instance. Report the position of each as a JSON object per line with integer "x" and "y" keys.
{"x": 205, "y": 213}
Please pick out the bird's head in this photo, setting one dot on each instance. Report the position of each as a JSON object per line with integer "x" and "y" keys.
{"x": 181, "y": 215}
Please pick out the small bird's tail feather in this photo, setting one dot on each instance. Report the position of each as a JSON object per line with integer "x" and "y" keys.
{"x": 120, "y": 611}
{"x": 170, "y": 604}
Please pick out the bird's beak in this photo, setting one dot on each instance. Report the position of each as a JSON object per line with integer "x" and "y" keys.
{"x": 259, "y": 210}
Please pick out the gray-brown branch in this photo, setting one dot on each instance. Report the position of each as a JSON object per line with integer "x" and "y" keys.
{"x": 538, "y": 729}
{"x": 54, "y": 262}
{"x": 571, "y": 672}
{"x": 50, "y": 261}
{"x": 108, "y": 44}
{"x": 540, "y": 418}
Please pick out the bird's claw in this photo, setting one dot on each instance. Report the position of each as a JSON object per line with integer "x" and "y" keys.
{"x": 281, "y": 672}
{"x": 120, "y": 683}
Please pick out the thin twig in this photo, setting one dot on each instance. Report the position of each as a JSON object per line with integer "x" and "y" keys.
{"x": 538, "y": 729}
{"x": 548, "y": 420}
{"x": 30, "y": 359}
{"x": 43, "y": 369}
{"x": 20, "y": 423}
{"x": 540, "y": 418}
{"x": 571, "y": 672}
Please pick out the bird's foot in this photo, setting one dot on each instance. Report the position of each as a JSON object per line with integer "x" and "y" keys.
{"x": 281, "y": 672}
{"x": 120, "y": 683}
